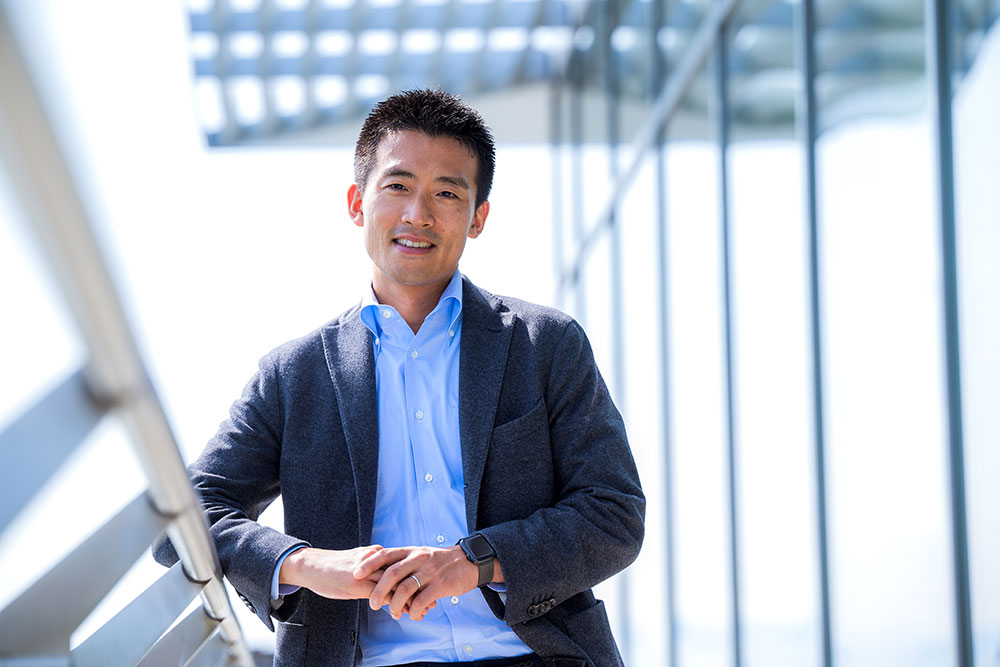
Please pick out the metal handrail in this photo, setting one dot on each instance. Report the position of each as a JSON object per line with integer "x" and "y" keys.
{"x": 115, "y": 374}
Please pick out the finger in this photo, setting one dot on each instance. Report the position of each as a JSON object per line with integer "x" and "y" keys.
{"x": 391, "y": 579}
{"x": 377, "y": 560}
{"x": 405, "y": 590}
{"x": 420, "y": 604}
{"x": 418, "y": 616}
{"x": 363, "y": 589}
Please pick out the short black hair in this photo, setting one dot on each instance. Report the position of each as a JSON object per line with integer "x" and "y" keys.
{"x": 435, "y": 113}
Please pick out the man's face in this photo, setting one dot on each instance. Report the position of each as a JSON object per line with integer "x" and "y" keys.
{"x": 417, "y": 210}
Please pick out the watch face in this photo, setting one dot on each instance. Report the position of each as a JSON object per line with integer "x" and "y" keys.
{"x": 479, "y": 547}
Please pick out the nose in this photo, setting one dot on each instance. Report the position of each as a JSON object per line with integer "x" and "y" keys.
{"x": 418, "y": 213}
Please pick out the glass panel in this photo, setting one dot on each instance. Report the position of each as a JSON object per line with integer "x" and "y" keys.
{"x": 697, "y": 391}
{"x": 771, "y": 354}
{"x": 977, "y": 162}
{"x": 891, "y": 574}
{"x": 643, "y": 412}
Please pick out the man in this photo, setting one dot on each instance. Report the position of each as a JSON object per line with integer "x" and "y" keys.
{"x": 450, "y": 456}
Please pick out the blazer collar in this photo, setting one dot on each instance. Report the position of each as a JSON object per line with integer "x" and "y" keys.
{"x": 347, "y": 345}
{"x": 486, "y": 333}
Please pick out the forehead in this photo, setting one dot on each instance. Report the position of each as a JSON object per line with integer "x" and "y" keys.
{"x": 420, "y": 153}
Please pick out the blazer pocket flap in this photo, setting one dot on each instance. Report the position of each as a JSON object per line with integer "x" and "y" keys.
{"x": 524, "y": 425}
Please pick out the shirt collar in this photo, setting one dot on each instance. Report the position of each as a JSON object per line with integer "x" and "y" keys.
{"x": 450, "y": 302}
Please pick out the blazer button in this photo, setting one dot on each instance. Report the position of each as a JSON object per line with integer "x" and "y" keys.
{"x": 533, "y": 610}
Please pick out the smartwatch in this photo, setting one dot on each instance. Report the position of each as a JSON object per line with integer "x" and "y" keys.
{"x": 480, "y": 553}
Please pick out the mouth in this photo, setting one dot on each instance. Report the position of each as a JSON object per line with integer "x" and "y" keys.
{"x": 412, "y": 243}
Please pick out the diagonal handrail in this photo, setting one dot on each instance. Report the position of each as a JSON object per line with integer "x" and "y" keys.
{"x": 115, "y": 374}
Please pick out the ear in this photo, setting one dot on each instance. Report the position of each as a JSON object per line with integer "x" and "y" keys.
{"x": 354, "y": 205}
{"x": 479, "y": 220}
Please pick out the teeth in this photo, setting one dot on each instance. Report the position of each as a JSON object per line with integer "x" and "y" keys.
{"x": 413, "y": 244}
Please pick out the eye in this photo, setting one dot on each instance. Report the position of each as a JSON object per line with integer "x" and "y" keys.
{"x": 449, "y": 195}
{"x": 399, "y": 187}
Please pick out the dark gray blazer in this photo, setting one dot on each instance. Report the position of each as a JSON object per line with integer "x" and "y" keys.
{"x": 549, "y": 478}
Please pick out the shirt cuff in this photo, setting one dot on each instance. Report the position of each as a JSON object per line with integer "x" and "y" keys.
{"x": 277, "y": 590}
{"x": 500, "y": 589}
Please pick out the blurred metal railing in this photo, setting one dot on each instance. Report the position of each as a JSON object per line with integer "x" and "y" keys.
{"x": 35, "y": 628}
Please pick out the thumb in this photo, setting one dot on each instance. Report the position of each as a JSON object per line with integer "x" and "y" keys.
{"x": 368, "y": 564}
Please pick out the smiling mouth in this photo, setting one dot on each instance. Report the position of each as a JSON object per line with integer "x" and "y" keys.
{"x": 407, "y": 243}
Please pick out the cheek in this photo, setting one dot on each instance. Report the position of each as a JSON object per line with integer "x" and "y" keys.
{"x": 371, "y": 239}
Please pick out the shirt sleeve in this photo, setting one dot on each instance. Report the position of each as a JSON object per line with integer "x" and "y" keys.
{"x": 278, "y": 590}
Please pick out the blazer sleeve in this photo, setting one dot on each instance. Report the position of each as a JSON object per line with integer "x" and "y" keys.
{"x": 237, "y": 477}
{"x": 595, "y": 527}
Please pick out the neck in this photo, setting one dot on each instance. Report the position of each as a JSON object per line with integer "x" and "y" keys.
{"x": 413, "y": 302}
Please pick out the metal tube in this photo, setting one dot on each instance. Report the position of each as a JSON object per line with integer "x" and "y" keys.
{"x": 722, "y": 125}
{"x": 939, "y": 73}
{"x": 576, "y": 176}
{"x": 555, "y": 132}
{"x": 116, "y": 374}
{"x": 617, "y": 291}
{"x": 658, "y": 75}
{"x": 807, "y": 35}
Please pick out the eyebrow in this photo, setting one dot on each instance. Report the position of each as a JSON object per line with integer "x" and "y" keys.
{"x": 457, "y": 181}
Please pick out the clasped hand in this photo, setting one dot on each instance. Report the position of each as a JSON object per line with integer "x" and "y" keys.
{"x": 384, "y": 576}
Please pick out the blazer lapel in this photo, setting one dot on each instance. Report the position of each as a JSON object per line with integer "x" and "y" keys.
{"x": 351, "y": 361}
{"x": 483, "y": 356}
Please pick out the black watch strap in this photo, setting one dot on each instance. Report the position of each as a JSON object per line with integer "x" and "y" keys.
{"x": 480, "y": 553}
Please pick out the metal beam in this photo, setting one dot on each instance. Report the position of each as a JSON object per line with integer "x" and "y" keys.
{"x": 213, "y": 652}
{"x": 939, "y": 64}
{"x": 36, "y": 624}
{"x": 182, "y": 642}
{"x": 617, "y": 288}
{"x": 722, "y": 129}
{"x": 116, "y": 374}
{"x": 36, "y": 445}
{"x": 556, "y": 102}
{"x": 806, "y": 28}
{"x": 657, "y": 78}
{"x": 134, "y": 630}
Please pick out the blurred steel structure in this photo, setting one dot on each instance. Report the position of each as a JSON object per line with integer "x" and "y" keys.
{"x": 279, "y": 68}
{"x": 274, "y": 70}
{"x": 35, "y": 628}
{"x": 878, "y": 59}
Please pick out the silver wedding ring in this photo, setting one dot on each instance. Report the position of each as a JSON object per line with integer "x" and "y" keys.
{"x": 414, "y": 577}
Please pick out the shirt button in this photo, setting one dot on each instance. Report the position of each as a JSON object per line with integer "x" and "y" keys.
{"x": 414, "y": 354}
{"x": 440, "y": 539}
{"x": 451, "y": 332}
{"x": 419, "y": 415}
{"x": 454, "y": 599}
{"x": 428, "y": 477}
{"x": 386, "y": 313}
{"x": 468, "y": 648}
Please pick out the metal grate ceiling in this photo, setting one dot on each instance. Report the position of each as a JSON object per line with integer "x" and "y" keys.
{"x": 267, "y": 70}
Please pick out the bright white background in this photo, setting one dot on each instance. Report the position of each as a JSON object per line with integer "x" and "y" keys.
{"x": 221, "y": 255}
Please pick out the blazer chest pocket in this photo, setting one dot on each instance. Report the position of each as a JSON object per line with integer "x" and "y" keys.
{"x": 522, "y": 427}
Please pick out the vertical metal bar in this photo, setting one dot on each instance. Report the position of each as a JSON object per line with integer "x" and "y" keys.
{"x": 939, "y": 72}
{"x": 555, "y": 133}
{"x": 722, "y": 128}
{"x": 807, "y": 33}
{"x": 576, "y": 176}
{"x": 617, "y": 291}
{"x": 658, "y": 77}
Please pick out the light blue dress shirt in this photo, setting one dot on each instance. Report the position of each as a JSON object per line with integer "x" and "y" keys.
{"x": 420, "y": 498}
